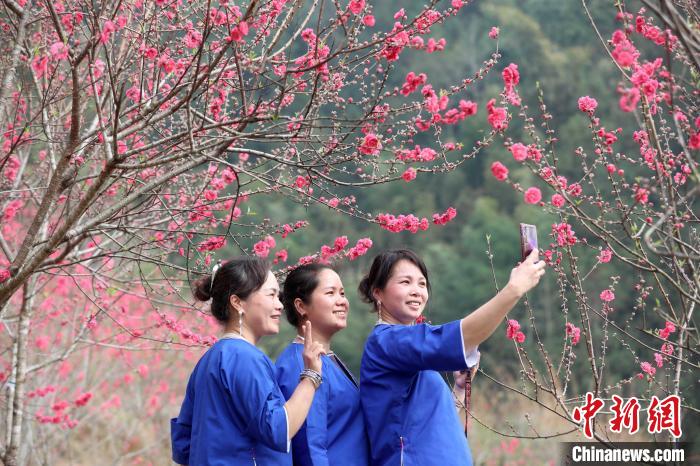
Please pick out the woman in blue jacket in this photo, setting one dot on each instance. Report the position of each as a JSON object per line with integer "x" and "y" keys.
{"x": 234, "y": 411}
{"x": 334, "y": 432}
{"x": 409, "y": 411}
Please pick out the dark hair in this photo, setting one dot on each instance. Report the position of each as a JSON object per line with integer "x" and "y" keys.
{"x": 300, "y": 283}
{"x": 240, "y": 276}
{"x": 381, "y": 269}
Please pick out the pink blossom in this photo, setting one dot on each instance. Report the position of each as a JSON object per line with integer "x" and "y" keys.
{"x": 42, "y": 342}
{"x": 11, "y": 210}
{"x": 497, "y": 116}
{"x": 58, "y": 51}
{"x": 261, "y": 248}
{"x": 467, "y": 108}
{"x": 533, "y": 195}
{"x": 667, "y": 349}
{"x": 519, "y": 151}
{"x": 648, "y": 368}
{"x": 370, "y": 144}
{"x": 340, "y": 243}
{"x": 368, "y": 21}
{"x": 641, "y": 195}
{"x": 40, "y": 66}
{"x": 511, "y": 76}
{"x": 413, "y": 81}
{"x": 574, "y": 332}
{"x": 356, "y": 6}
{"x": 301, "y": 181}
{"x": 659, "y": 360}
{"x": 239, "y": 32}
{"x": 281, "y": 255}
{"x": 360, "y": 249}
{"x": 666, "y": 331}
{"x": 493, "y": 33}
{"x": 143, "y": 370}
{"x": 409, "y": 174}
{"x": 607, "y": 295}
{"x": 499, "y": 171}
{"x": 107, "y": 30}
{"x": 629, "y": 99}
{"x": 513, "y": 328}
{"x": 82, "y": 400}
{"x": 605, "y": 256}
{"x": 448, "y": 215}
{"x": 534, "y": 153}
{"x": 212, "y": 244}
{"x": 401, "y": 223}
{"x": 558, "y": 200}
{"x": 587, "y": 104}
{"x": 4, "y": 275}
{"x": 564, "y": 234}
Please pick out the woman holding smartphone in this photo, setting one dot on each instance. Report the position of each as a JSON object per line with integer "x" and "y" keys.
{"x": 234, "y": 411}
{"x": 334, "y": 431}
{"x": 409, "y": 410}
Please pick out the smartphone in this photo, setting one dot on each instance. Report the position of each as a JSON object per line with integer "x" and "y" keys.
{"x": 528, "y": 240}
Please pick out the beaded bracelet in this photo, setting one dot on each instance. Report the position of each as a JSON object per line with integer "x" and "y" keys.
{"x": 313, "y": 376}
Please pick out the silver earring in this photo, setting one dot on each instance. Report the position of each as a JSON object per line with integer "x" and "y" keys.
{"x": 240, "y": 323}
{"x": 379, "y": 309}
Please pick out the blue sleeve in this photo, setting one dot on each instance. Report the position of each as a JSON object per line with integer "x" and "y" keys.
{"x": 310, "y": 444}
{"x": 316, "y": 428}
{"x": 419, "y": 347}
{"x": 181, "y": 428}
{"x": 257, "y": 398}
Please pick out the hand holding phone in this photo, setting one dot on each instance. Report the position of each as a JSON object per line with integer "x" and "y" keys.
{"x": 528, "y": 240}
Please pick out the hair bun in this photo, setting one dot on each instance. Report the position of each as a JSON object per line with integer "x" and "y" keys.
{"x": 202, "y": 289}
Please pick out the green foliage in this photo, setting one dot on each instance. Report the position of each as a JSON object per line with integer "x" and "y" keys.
{"x": 555, "y": 46}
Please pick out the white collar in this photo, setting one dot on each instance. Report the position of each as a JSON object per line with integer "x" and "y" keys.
{"x": 234, "y": 336}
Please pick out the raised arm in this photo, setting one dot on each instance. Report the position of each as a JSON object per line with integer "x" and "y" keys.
{"x": 480, "y": 324}
{"x": 299, "y": 403}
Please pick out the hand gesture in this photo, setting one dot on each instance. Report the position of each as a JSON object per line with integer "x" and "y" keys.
{"x": 461, "y": 376}
{"x": 527, "y": 275}
{"x": 312, "y": 350}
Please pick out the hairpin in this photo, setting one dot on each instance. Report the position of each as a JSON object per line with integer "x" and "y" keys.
{"x": 213, "y": 274}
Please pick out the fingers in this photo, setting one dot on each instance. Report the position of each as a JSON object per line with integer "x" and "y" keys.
{"x": 308, "y": 337}
{"x": 534, "y": 256}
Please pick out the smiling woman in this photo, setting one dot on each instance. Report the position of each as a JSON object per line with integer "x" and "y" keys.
{"x": 408, "y": 409}
{"x": 334, "y": 432}
{"x": 234, "y": 411}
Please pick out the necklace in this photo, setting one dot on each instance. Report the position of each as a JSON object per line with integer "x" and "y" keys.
{"x": 233, "y": 336}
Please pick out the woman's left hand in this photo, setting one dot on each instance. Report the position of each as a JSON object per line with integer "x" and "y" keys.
{"x": 461, "y": 377}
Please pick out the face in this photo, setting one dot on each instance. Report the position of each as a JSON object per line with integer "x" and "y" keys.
{"x": 262, "y": 309}
{"x": 328, "y": 308}
{"x": 405, "y": 294}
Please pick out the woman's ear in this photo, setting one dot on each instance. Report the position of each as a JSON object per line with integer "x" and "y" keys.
{"x": 299, "y": 306}
{"x": 376, "y": 294}
{"x": 235, "y": 303}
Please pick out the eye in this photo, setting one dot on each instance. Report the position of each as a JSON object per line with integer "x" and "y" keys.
{"x": 403, "y": 282}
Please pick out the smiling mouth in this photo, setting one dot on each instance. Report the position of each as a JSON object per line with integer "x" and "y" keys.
{"x": 414, "y": 304}
{"x": 341, "y": 313}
